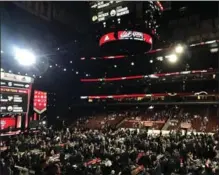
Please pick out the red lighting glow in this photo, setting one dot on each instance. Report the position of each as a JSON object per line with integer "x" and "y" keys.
{"x": 148, "y": 76}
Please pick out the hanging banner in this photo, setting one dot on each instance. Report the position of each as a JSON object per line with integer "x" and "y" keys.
{"x": 40, "y": 101}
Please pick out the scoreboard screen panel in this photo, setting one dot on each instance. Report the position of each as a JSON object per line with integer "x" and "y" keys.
{"x": 13, "y": 100}
{"x": 15, "y": 92}
{"x": 104, "y": 10}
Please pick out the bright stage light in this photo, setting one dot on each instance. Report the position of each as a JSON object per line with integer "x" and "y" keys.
{"x": 24, "y": 57}
{"x": 179, "y": 49}
{"x": 151, "y": 107}
{"x": 172, "y": 58}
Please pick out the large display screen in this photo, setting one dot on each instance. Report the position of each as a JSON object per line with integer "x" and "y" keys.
{"x": 13, "y": 100}
{"x": 7, "y": 122}
{"x": 103, "y": 10}
{"x": 125, "y": 35}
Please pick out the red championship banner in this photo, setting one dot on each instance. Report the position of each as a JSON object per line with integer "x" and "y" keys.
{"x": 40, "y": 101}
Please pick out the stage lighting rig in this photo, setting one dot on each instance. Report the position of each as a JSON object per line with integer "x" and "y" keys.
{"x": 24, "y": 57}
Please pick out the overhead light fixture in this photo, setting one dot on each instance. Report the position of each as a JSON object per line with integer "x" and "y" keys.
{"x": 151, "y": 107}
{"x": 172, "y": 58}
{"x": 160, "y": 58}
{"x": 214, "y": 50}
{"x": 24, "y": 57}
{"x": 179, "y": 49}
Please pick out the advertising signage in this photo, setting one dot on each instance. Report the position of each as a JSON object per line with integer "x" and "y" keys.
{"x": 14, "y": 84}
{"x": 16, "y": 78}
{"x": 126, "y": 35}
{"x": 104, "y": 10}
{"x": 13, "y": 100}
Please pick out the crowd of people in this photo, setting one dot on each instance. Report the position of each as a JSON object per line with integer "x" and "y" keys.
{"x": 109, "y": 152}
{"x": 196, "y": 118}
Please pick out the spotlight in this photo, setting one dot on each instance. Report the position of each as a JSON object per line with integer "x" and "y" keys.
{"x": 179, "y": 49}
{"x": 24, "y": 57}
{"x": 160, "y": 58}
{"x": 151, "y": 107}
{"x": 172, "y": 58}
{"x": 214, "y": 50}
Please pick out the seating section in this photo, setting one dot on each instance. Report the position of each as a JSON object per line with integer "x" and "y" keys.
{"x": 199, "y": 118}
{"x": 104, "y": 120}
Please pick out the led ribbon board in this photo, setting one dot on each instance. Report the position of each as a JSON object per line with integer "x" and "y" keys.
{"x": 126, "y": 35}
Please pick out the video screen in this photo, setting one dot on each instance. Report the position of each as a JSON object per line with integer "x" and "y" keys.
{"x": 13, "y": 100}
{"x": 14, "y": 93}
{"x": 7, "y": 122}
{"x": 103, "y": 10}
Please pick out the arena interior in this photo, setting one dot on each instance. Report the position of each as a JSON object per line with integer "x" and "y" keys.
{"x": 109, "y": 88}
